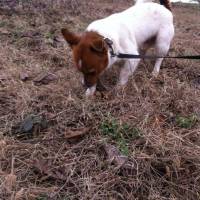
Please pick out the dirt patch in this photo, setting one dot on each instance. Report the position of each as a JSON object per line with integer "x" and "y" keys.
{"x": 153, "y": 125}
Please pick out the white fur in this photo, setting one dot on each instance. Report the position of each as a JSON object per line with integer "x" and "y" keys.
{"x": 142, "y": 1}
{"x": 79, "y": 64}
{"x": 90, "y": 91}
{"x": 131, "y": 28}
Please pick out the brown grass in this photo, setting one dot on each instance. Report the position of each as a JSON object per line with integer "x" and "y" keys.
{"x": 154, "y": 122}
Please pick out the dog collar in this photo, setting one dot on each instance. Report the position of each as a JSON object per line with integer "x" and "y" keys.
{"x": 109, "y": 42}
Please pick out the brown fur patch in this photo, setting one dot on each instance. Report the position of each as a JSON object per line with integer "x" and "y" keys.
{"x": 167, "y": 4}
{"x": 90, "y": 55}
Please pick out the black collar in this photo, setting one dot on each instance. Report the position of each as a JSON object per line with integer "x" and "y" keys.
{"x": 109, "y": 42}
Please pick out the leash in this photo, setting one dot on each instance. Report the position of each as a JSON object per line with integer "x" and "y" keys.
{"x": 134, "y": 56}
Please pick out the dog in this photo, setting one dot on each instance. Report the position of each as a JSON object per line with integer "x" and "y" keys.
{"x": 132, "y": 31}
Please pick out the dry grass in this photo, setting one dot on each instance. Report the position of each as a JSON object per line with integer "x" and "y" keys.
{"x": 154, "y": 122}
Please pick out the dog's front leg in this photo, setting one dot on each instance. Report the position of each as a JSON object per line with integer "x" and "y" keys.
{"x": 90, "y": 91}
{"x": 157, "y": 67}
{"x": 127, "y": 70}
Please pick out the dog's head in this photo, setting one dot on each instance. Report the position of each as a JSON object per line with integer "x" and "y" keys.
{"x": 90, "y": 54}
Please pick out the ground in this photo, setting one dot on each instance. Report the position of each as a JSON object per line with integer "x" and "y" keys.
{"x": 140, "y": 143}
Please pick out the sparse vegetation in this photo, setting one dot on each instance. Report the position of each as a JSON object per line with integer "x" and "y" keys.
{"x": 120, "y": 133}
{"x": 52, "y": 140}
{"x": 42, "y": 198}
{"x": 186, "y": 122}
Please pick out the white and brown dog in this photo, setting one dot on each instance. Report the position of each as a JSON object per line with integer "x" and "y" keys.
{"x": 141, "y": 26}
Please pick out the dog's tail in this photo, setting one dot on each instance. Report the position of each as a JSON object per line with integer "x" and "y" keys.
{"x": 165, "y": 3}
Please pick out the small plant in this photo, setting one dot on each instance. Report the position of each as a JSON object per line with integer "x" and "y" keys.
{"x": 186, "y": 122}
{"x": 49, "y": 35}
{"x": 120, "y": 133}
{"x": 17, "y": 33}
{"x": 2, "y": 23}
{"x": 130, "y": 132}
{"x": 49, "y": 38}
{"x": 110, "y": 128}
{"x": 123, "y": 146}
{"x": 42, "y": 198}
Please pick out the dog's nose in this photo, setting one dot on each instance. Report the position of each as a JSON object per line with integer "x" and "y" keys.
{"x": 87, "y": 83}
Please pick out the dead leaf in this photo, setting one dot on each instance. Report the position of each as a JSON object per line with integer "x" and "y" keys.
{"x": 177, "y": 162}
{"x": 76, "y": 133}
{"x": 10, "y": 182}
{"x": 20, "y": 194}
{"x": 31, "y": 34}
{"x": 196, "y": 82}
{"x": 27, "y": 125}
{"x": 32, "y": 193}
{"x": 2, "y": 149}
{"x": 4, "y": 31}
{"x": 32, "y": 123}
{"x": 45, "y": 167}
{"x": 58, "y": 39}
{"x": 24, "y": 76}
{"x": 114, "y": 155}
{"x": 2, "y": 173}
{"x": 168, "y": 172}
{"x": 44, "y": 78}
{"x": 3, "y": 78}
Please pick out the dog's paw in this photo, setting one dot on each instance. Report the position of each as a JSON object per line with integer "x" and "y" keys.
{"x": 155, "y": 74}
{"x": 90, "y": 91}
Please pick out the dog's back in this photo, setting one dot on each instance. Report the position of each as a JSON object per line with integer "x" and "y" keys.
{"x": 142, "y": 21}
{"x": 165, "y": 3}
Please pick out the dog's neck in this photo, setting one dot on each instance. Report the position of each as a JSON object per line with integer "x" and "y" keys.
{"x": 112, "y": 50}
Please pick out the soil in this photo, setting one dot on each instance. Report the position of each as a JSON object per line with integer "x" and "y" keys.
{"x": 139, "y": 143}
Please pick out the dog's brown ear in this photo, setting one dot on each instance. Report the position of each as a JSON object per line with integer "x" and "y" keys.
{"x": 98, "y": 46}
{"x": 71, "y": 38}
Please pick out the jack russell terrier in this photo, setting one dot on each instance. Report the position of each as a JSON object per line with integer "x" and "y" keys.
{"x": 132, "y": 31}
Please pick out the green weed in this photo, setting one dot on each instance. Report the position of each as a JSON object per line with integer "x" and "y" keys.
{"x": 186, "y": 122}
{"x": 3, "y": 24}
{"x": 120, "y": 133}
{"x": 42, "y": 198}
{"x": 49, "y": 35}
